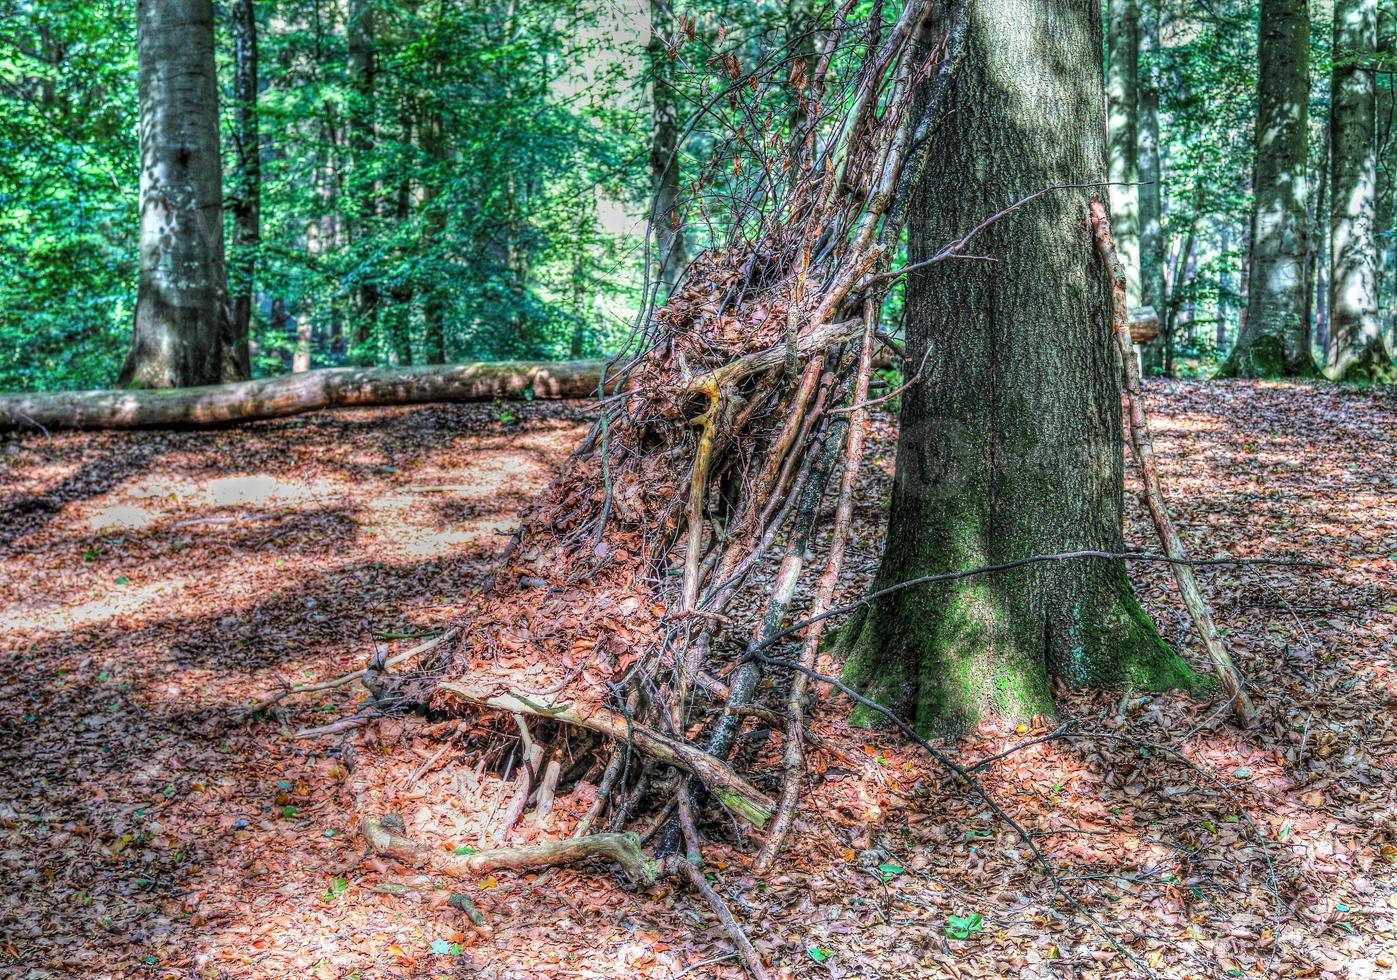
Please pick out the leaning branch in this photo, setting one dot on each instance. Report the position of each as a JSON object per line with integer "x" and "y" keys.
{"x": 1232, "y": 681}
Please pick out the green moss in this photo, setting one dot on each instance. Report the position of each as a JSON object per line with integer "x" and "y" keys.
{"x": 1114, "y": 644}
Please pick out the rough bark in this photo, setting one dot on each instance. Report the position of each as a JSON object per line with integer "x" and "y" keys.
{"x": 247, "y": 194}
{"x": 1012, "y": 445}
{"x": 1275, "y": 340}
{"x": 1152, "y": 245}
{"x": 666, "y": 228}
{"x": 1359, "y": 350}
{"x": 271, "y": 398}
{"x": 1122, "y": 72}
{"x": 182, "y": 332}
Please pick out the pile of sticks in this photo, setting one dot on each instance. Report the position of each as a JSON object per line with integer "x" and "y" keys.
{"x": 741, "y": 406}
{"x": 740, "y": 409}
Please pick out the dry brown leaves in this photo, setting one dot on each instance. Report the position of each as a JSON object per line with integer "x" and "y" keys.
{"x": 144, "y": 832}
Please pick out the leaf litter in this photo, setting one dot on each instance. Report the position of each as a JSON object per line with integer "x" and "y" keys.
{"x": 159, "y": 581}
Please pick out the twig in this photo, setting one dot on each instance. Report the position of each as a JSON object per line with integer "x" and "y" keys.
{"x": 745, "y": 950}
{"x": 349, "y": 678}
{"x": 873, "y": 597}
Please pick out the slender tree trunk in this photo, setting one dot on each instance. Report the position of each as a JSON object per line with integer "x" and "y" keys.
{"x": 401, "y": 292}
{"x": 1152, "y": 242}
{"x": 1276, "y": 338}
{"x": 1169, "y": 322}
{"x": 1012, "y": 444}
{"x": 1315, "y": 243}
{"x": 1359, "y": 349}
{"x": 1387, "y": 257}
{"x": 183, "y": 331}
{"x": 666, "y": 231}
{"x": 1225, "y": 287}
{"x": 247, "y": 197}
{"x": 363, "y": 139}
{"x": 1122, "y": 76}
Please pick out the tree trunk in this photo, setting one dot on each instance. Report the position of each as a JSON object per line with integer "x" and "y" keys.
{"x": 363, "y": 137}
{"x": 1276, "y": 338}
{"x": 247, "y": 195}
{"x": 1012, "y": 443}
{"x": 183, "y": 331}
{"x": 1225, "y": 286}
{"x": 667, "y": 233}
{"x": 1387, "y": 256}
{"x": 1152, "y": 244}
{"x": 1122, "y": 76}
{"x": 272, "y": 398}
{"x": 1359, "y": 350}
{"x": 1318, "y": 223}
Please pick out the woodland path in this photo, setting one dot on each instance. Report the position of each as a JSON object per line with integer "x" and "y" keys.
{"x": 155, "y": 581}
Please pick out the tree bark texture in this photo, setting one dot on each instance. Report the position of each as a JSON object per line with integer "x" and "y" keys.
{"x": 1012, "y": 444}
{"x": 247, "y": 195}
{"x": 667, "y": 233}
{"x": 1359, "y": 350}
{"x": 183, "y": 331}
{"x": 1275, "y": 340}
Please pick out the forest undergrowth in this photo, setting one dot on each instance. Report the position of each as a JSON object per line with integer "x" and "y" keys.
{"x": 161, "y": 582}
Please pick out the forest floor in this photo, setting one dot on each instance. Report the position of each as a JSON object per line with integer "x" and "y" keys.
{"x": 156, "y": 582}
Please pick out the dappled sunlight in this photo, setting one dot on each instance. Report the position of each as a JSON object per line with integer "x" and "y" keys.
{"x": 212, "y": 844}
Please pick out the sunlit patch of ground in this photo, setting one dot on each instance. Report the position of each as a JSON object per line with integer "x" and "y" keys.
{"x": 156, "y": 581}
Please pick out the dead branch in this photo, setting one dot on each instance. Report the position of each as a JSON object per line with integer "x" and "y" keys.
{"x": 620, "y": 849}
{"x": 285, "y": 395}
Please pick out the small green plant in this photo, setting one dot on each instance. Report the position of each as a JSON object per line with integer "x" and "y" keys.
{"x": 338, "y": 886}
{"x": 964, "y": 926}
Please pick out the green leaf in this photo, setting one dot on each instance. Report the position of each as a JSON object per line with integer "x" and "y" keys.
{"x": 289, "y": 811}
{"x": 817, "y": 954}
{"x": 964, "y": 926}
{"x": 440, "y": 947}
{"x": 465, "y": 849}
{"x": 338, "y": 885}
{"x": 122, "y": 580}
{"x": 890, "y": 870}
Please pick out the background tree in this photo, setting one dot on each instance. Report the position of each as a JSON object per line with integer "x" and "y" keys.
{"x": 183, "y": 335}
{"x": 1012, "y": 444}
{"x": 246, "y": 199}
{"x": 1122, "y": 70}
{"x": 1359, "y": 350}
{"x": 1276, "y": 338}
{"x": 1152, "y": 242}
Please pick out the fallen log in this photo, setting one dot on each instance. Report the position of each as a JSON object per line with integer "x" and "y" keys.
{"x": 278, "y": 397}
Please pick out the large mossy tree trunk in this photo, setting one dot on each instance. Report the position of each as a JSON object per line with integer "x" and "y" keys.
{"x": 1011, "y": 445}
{"x": 1275, "y": 340}
{"x": 1359, "y": 350}
{"x": 183, "y": 331}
